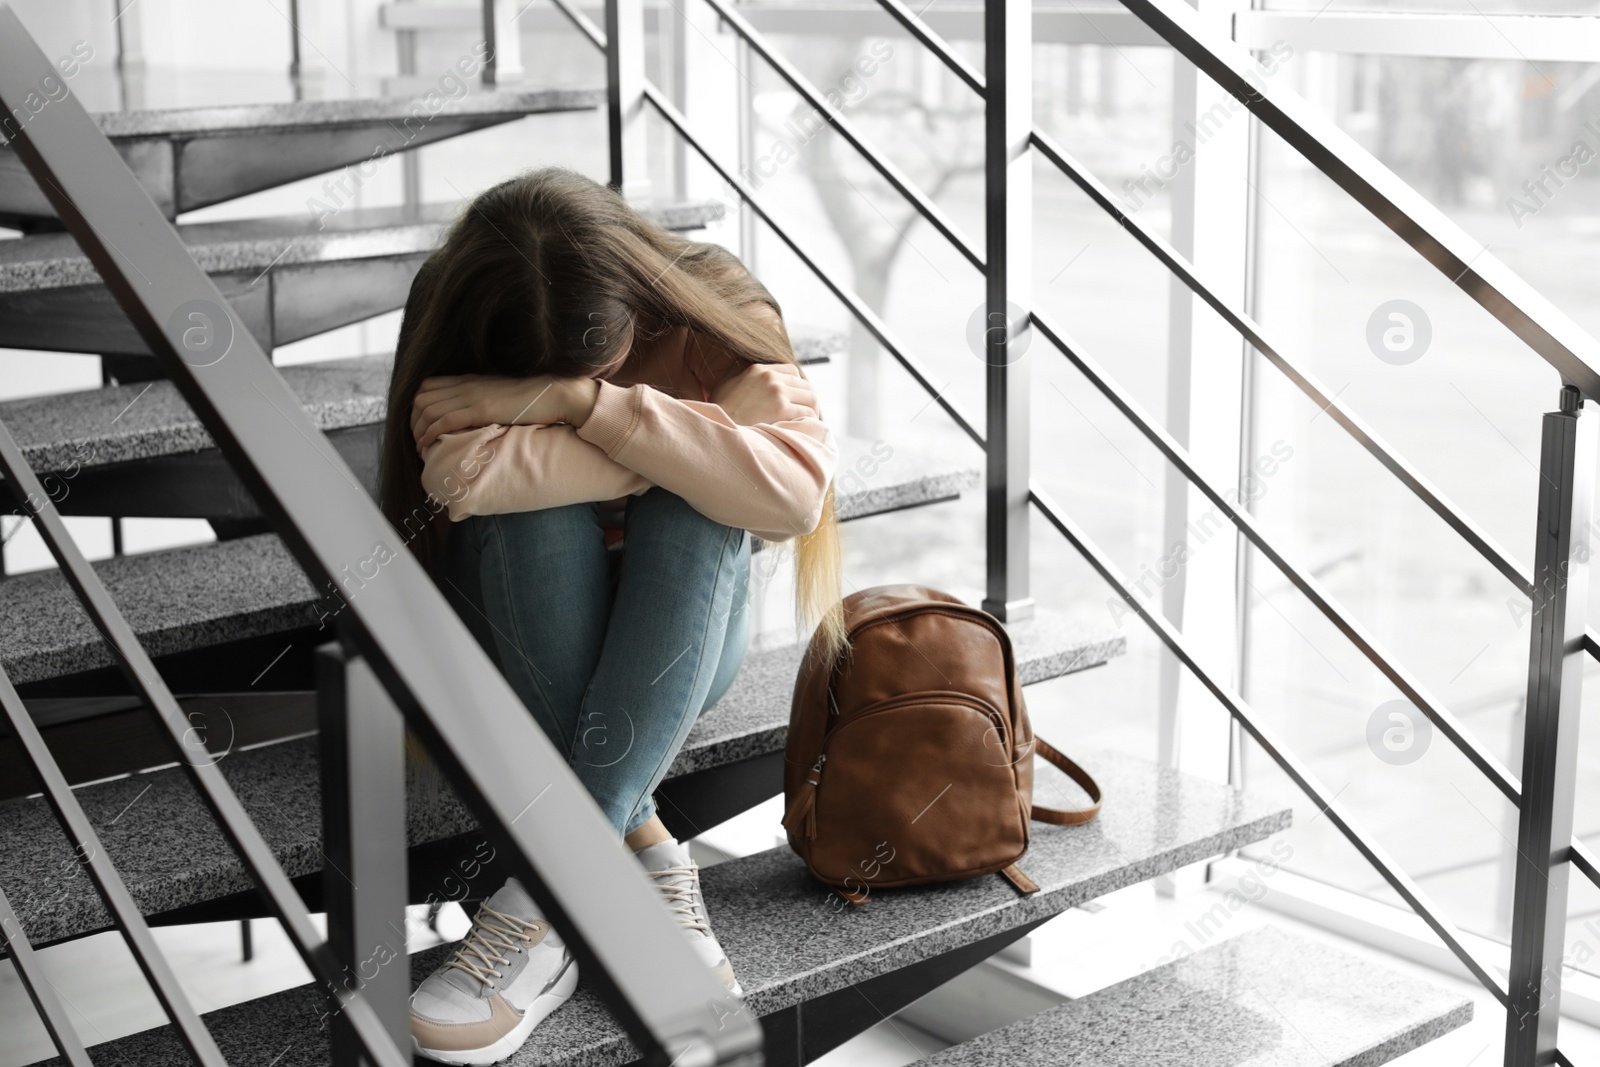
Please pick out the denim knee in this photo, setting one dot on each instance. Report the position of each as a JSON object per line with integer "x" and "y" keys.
{"x": 661, "y": 509}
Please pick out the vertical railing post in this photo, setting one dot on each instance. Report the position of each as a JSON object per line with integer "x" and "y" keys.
{"x": 504, "y": 61}
{"x": 1008, "y": 221}
{"x": 1550, "y": 740}
{"x": 748, "y": 128}
{"x": 362, "y": 742}
{"x": 672, "y": 37}
{"x": 625, "y": 128}
{"x": 1206, "y": 413}
{"x": 405, "y": 43}
{"x": 129, "y": 20}
{"x": 294, "y": 44}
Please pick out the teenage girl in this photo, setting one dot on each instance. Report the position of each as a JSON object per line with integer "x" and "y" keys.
{"x": 589, "y": 417}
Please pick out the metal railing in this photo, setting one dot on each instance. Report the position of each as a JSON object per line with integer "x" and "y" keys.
{"x": 385, "y": 658}
{"x": 1544, "y": 794}
{"x": 433, "y": 673}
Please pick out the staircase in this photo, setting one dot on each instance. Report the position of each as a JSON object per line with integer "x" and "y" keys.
{"x": 234, "y": 628}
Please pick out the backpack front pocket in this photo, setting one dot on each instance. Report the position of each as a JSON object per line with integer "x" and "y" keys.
{"x": 914, "y": 788}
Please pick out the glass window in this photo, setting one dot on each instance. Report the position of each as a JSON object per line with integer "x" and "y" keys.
{"x": 1505, "y": 150}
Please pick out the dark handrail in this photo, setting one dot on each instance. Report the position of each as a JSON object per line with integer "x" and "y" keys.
{"x": 1452, "y": 727}
{"x": 1582, "y": 858}
{"x": 1253, "y": 332}
{"x": 1303, "y": 379}
{"x": 500, "y": 762}
{"x": 1466, "y": 263}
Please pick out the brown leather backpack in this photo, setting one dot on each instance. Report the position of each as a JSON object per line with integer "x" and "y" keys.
{"x": 910, "y": 756}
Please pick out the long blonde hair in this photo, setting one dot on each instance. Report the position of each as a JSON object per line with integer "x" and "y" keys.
{"x": 551, "y": 273}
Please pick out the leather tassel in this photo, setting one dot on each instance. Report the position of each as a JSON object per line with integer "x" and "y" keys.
{"x": 801, "y": 817}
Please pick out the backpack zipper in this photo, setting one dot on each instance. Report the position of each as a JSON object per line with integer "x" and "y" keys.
{"x": 924, "y": 696}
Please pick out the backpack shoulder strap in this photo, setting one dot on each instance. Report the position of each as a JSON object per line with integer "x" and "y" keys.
{"x": 1077, "y": 774}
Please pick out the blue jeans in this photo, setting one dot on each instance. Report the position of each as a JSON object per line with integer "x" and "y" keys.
{"x": 615, "y": 652}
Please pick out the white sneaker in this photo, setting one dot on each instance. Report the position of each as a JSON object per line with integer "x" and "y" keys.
{"x": 678, "y": 878}
{"x": 510, "y": 971}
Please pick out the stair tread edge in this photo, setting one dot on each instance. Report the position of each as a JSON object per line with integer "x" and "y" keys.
{"x": 1366, "y": 1013}
{"x": 939, "y": 918}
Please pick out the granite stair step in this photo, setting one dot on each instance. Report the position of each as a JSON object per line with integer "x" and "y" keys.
{"x": 143, "y": 421}
{"x": 138, "y": 451}
{"x": 156, "y": 830}
{"x": 788, "y": 942}
{"x": 1266, "y": 998}
{"x": 249, "y": 589}
{"x": 192, "y": 157}
{"x": 287, "y": 277}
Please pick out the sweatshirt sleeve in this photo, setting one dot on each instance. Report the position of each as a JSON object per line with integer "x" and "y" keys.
{"x": 771, "y": 479}
{"x": 492, "y": 470}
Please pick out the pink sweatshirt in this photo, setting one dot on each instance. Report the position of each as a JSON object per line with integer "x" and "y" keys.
{"x": 769, "y": 479}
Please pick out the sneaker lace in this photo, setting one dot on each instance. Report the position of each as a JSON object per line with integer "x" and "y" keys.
{"x": 682, "y": 896}
{"x": 491, "y": 933}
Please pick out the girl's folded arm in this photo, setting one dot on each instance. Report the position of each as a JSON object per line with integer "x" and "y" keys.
{"x": 493, "y": 470}
{"x": 771, "y": 478}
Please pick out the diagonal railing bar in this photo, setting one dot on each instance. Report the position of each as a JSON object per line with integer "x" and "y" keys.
{"x": 1253, "y": 332}
{"x": 1174, "y": 261}
{"x": 1327, "y": 804}
{"x": 1467, "y": 264}
{"x": 864, "y": 314}
{"x": 103, "y": 613}
{"x": 584, "y": 23}
{"x": 515, "y": 782}
{"x": 86, "y": 844}
{"x": 1302, "y": 579}
{"x": 936, "y": 44}
{"x": 846, "y": 129}
{"x": 51, "y": 1012}
{"x": 1584, "y": 860}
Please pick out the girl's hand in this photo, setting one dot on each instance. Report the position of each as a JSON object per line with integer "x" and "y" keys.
{"x": 463, "y": 401}
{"x": 766, "y": 392}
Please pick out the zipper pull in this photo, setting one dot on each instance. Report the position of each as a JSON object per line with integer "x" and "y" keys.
{"x": 801, "y": 818}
